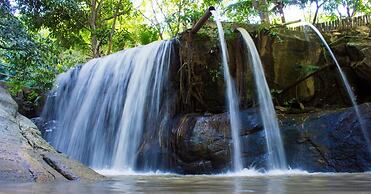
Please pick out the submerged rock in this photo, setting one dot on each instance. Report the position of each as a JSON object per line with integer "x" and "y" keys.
{"x": 25, "y": 156}
{"x": 327, "y": 141}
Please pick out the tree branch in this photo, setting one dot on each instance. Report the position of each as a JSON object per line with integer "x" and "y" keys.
{"x": 179, "y": 11}
{"x": 118, "y": 14}
{"x": 100, "y": 3}
{"x": 304, "y": 78}
{"x": 153, "y": 23}
{"x": 163, "y": 14}
{"x": 157, "y": 22}
{"x": 113, "y": 27}
{"x": 355, "y": 7}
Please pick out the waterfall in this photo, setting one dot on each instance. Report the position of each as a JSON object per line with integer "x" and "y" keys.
{"x": 102, "y": 108}
{"x": 276, "y": 153}
{"x": 346, "y": 85}
{"x": 232, "y": 98}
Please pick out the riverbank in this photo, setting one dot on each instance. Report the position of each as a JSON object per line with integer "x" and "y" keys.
{"x": 26, "y": 157}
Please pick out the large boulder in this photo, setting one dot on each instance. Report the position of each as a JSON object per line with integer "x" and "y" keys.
{"x": 325, "y": 141}
{"x": 25, "y": 156}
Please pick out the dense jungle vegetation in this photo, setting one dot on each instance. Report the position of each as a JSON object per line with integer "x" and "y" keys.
{"x": 42, "y": 38}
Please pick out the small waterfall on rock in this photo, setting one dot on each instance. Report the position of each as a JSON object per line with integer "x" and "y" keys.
{"x": 103, "y": 107}
{"x": 346, "y": 84}
{"x": 232, "y": 99}
{"x": 276, "y": 153}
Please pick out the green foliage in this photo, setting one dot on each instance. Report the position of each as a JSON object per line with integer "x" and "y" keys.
{"x": 42, "y": 38}
{"x": 215, "y": 74}
{"x": 229, "y": 33}
{"x": 270, "y": 30}
{"x": 169, "y": 17}
{"x": 275, "y": 93}
{"x": 352, "y": 7}
{"x": 249, "y": 10}
{"x": 77, "y": 24}
{"x": 306, "y": 69}
{"x": 147, "y": 34}
{"x": 28, "y": 59}
{"x": 241, "y": 10}
{"x": 64, "y": 19}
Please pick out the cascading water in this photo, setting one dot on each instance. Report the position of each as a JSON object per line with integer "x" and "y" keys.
{"x": 346, "y": 84}
{"x": 232, "y": 99}
{"x": 276, "y": 153}
{"x": 103, "y": 107}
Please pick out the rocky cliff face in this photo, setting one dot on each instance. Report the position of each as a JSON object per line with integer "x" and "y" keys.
{"x": 25, "y": 156}
{"x": 326, "y": 141}
{"x": 297, "y": 67}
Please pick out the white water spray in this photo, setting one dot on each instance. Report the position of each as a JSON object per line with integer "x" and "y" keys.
{"x": 276, "y": 153}
{"x": 103, "y": 107}
{"x": 232, "y": 99}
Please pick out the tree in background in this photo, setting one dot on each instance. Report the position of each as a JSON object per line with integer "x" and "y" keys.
{"x": 41, "y": 38}
{"x": 170, "y": 17}
{"x": 77, "y": 23}
{"x": 25, "y": 58}
{"x": 351, "y": 7}
{"x": 241, "y": 10}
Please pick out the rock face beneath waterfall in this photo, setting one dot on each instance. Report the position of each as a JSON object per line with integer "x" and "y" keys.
{"x": 327, "y": 141}
{"x": 26, "y": 157}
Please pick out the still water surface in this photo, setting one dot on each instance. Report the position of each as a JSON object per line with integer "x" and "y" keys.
{"x": 169, "y": 183}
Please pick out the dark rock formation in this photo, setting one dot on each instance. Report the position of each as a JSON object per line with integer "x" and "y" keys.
{"x": 25, "y": 156}
{"x": 29, "y": 107}
{"x": 326, "y": 141}
{"x": 356, "y": 55}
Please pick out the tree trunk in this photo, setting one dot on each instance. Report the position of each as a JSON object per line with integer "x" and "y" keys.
{"x": 315, "y": 16}
{"x": 113, "y": 28}
{"x": 355, "y": 8}
{"x": 348, "y": 11}
{"x": 93, "y": 29}
{"x": 318, "y": 6}
{"x": 261, "y": 7}
{"x": 283, "y": 19}
{"x": 316, "y": 13}
{"x": 280, "y": 10}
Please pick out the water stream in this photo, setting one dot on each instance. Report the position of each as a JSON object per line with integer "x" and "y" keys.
{"x": 346, "y": 85}
{"x": 102, "y": 108}
{"x": 232, "y": 98}
{"x": 276, "y": 153}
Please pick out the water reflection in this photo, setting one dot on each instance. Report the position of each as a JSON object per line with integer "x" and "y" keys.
{"x": 237, "y": 186}
{"x": 270, "y": 184}
{"x": 276, "y": 186}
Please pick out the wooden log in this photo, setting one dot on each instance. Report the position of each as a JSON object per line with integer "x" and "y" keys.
{"x": 202, "y": 20}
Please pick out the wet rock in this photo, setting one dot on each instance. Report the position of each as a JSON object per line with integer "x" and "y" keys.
{"x": 70, "y": 169}
{"x": 202, "y": 143}
{"x": 326, "y": 141}
{"x": 25, "y": 156}
{"x": 361, "y": 57}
